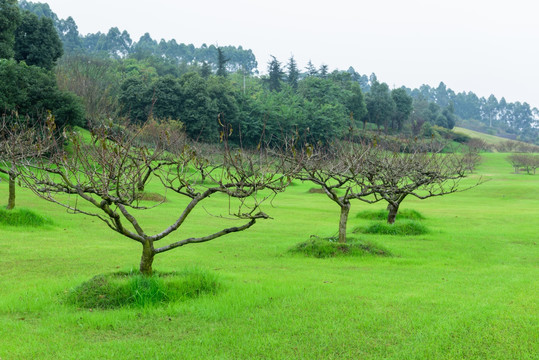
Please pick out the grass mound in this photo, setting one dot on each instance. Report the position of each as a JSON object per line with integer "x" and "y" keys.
{"x": 22, "y": 218}
{"x": 407, "y": 214}
{"x": 148, "y": 196}
{"x": 330, "y": 247}
{"x": 409, "y": 227}
{"x": 135, "y": 290}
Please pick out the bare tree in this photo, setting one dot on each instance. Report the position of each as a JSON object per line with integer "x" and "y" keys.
{"x": 18, "y": 141}
{"x": 378, "y": 171}
{"x": 105, "y": 173}
{"x": 470, "y": 160}
{"x": 527, "y": 162}
{"x": 477, "y": 145}
{"x": 337, "y": 169}
{"x": 422, "y": 172}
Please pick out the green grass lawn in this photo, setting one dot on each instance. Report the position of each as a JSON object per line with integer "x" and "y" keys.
{"x": 467, "y": 289}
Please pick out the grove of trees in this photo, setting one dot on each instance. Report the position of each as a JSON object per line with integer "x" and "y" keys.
{"x": 200, "y": 123}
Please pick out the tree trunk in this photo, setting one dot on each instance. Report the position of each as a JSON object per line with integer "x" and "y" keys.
{"x": 345, "y": 209}
{"x": 11, "y": 199}
{"x": 393, "y": 209}
{"x": 142, "y": 183}
{"x": 146, "y": 259}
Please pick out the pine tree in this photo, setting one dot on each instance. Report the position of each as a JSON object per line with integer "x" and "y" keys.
{"x": 221, "y": 62}
{"x": 293, "y": 73}
{"x": 311, "y": 69}
{"x": 323, "y": 72}
{"x": 275, "y": 74}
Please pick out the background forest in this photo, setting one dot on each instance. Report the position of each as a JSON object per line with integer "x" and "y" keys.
{"x": 114, "y": 76}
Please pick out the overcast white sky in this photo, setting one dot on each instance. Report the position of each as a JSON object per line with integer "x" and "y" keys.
{"x": 484, "y": 46}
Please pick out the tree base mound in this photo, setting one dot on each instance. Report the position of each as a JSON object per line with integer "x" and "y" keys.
{"x": 149, "y": 196}
{"x": 22, "y": 218}
{"x": 407, "y": 214}
{"x": 330, "y": 247}
{"x": 404, "y": 228}
{"x": 132, "y": 289}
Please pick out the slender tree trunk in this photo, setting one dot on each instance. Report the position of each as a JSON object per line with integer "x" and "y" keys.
{"x": 142, "y": 184}
{"x": 11, "y": 199}
{"x": 345, "y": 210}
{"x": 393, "y": 209}
{"x": 146, "y": 259}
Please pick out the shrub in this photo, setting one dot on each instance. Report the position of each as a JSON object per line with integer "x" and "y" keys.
{"x": 460, "y": 137}
{"x": 133, "y": 289}
{"x": 329, "y": 247}
{"x": 409, "y": 227}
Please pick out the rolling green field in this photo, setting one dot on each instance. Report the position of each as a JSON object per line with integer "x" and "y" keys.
{"x": 468, "y": 289}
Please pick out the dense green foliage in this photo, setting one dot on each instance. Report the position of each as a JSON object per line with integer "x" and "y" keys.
{"x": 32, "y": 91}
{"x": 286, "y": 100}
{"x": 29, "y": 49}
{"x": 37, "y": 42}
{"x": 10, "y": 19}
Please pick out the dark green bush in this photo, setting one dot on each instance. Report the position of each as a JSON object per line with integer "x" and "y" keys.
{"x": 461, "y": 138}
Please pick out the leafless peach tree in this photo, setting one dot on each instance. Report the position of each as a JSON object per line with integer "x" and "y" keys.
{"x": 524, "y": 162}
{"x": 337, "y": 169}
{"x": 422, "y": 172}
{"x": 105, "y": 173}
{"x": 19, "y": 140}
{"x": 374, "y": 172}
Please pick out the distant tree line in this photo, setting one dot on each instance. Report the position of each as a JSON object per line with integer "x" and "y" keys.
{"x": 517, "y": 121}
{"x": 118, "y": 44}
{"x": 204, "y": 86}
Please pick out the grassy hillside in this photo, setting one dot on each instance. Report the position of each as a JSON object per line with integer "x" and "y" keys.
{"x": 465, "y": 290}
{"x": 489, "y": 139}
